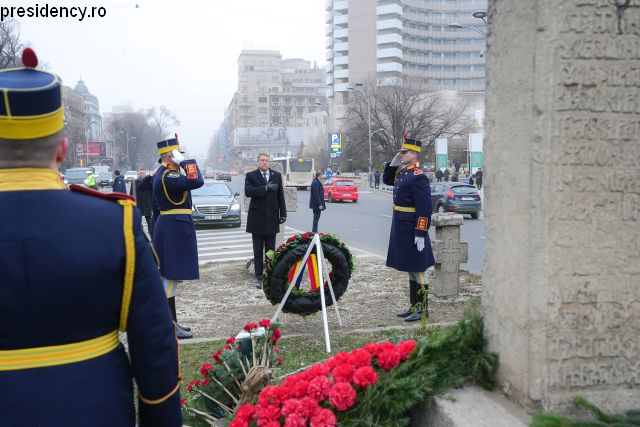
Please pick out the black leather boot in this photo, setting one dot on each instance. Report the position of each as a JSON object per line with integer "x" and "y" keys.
{"x": 418, "y": 314}
{"x": 181, "y": 332}
{"x": 413, "y": 299}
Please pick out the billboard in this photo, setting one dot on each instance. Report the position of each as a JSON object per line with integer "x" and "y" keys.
{"x": 441, "y": 153}
{"x": 475, "y": 151}
{"x": 91, "y": 149}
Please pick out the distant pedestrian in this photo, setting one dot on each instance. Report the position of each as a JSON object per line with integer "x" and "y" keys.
{"x": 376, "y": 178}
{"x": 439, "y": 175}
{"x": 479, "y": 175}
{"x": 141, "y": 189}
{"x": 118, "y": 183}
{"x": 446, "y": 175}
{"x": 456, "y": 166}
{"x": 90, "y": 180}
{"x": 454, "y": 177}
{"x": 316, "y": 200}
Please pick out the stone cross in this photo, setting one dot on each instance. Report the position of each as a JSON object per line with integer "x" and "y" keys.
{"x": 449, "y": 252}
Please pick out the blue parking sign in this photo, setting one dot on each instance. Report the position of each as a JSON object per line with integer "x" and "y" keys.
{"x": 335, "y": 141}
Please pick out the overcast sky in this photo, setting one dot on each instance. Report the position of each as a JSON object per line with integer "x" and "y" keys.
{"x": 178, "y": 53}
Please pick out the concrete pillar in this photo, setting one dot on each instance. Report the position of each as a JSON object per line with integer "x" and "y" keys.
{"x": 562, "y": 269}
{"x": 449, "y": 252}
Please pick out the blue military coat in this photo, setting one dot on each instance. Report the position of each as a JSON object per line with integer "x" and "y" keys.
{"x": 63, "y": 267}
{"x": 174, "y": 234}
{"x": 411, "y": 218}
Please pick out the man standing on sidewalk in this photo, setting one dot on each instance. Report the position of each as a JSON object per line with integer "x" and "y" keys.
{"x": 409, "y": 246}
{"x": 63, "y": 305}
{"x": 316, "y": 200}
{"x": 376, "y": 178}
{"x": 174, "y": 234}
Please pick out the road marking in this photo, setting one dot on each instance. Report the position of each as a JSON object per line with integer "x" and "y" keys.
{"x": 386, "y": 216}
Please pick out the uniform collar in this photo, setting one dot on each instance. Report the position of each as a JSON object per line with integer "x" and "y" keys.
{"x": 169, "y": 166}
{"x": 21, "y": 179}
{"x": 411, "y": 166}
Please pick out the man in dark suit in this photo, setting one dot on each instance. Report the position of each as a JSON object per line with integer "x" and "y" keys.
{"x": 316, "y": 200}
{"x": 118, "y": 183}
{"x": 267, "y": 210}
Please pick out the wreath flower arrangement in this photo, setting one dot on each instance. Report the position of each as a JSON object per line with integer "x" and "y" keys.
{"x": 276, "y": 277}
{"x": 322, "y": 395}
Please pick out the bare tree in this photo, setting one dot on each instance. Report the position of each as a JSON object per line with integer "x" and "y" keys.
{"x": 134, "y": 140}
{"x": 162, "y": 120}
{"x": 396, "y": 108}
{"x": 10, "y": 44}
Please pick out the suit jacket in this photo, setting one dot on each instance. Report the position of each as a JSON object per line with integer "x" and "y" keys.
{"x": 118, "y": 185}
{"x": 266, "y": 207}
{"x": 316, "y": 198}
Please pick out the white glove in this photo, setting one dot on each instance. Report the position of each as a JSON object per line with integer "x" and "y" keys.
{"x": 177, "y": 156}
{"x": 396, "y": 160}
{"x": 419, "y": 241}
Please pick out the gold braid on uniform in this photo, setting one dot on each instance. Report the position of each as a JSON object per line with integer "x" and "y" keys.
{"x": 130, "y": 261}
{"x": 164, "y": 187}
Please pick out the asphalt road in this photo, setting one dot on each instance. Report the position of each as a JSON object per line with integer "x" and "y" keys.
{"x": 366, "y": 224}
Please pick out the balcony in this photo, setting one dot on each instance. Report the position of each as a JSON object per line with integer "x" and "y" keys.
{"x": 328, "y": 67}
{"x": 389, "y": 67}
{"x": 328, "y": 4}
{"x": 341, "y": 74}
{"x": 341, "y": 20}
{"x": 328, "y": 18}
{"x": 341, "y": 47}
{"x": 393, "y": 52}
{"x": 389, "y": 38}
{"x": 341, "y": 87}
{"x": 388, "y": 24}
{"x": 329, "y": 80}
{"x": 340, "y": 60}
{"x": 328, "y": 42}
{"x": 342, "y": 33}
{"x": 389, "y": 9}
{"x": 340, "y": 5}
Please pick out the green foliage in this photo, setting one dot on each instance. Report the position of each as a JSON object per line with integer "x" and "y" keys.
{"x": 448, "y": 357}
{"x": 601, "y": 419}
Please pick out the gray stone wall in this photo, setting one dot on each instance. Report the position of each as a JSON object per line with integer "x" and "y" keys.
{"x": 562, "y": 161}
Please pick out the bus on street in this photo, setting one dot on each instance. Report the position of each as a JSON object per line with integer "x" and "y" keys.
{"x": 296, "y": 171}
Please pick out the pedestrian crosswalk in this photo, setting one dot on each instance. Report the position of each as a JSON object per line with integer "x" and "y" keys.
{"x": 234, "y": 244}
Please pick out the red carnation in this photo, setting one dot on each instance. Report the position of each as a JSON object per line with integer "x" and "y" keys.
{"x": 290, "y": 406}
{"x": 371, "y": 348}
{"x": 183, "y": 401}
{"x": 249, "y": 326}
{"x": 365, "y": 376}
{"x": 324, "y": 418}
{"x": 279, "y": 361}
{"x": 205, "y": 368}
{"x": 216, "y": 355}
{"x": 238, "y": 423}
{"x": 275, "y": 336}
{"x": 336, "y": 360}
{"x": 342, "y": 373}
{"x": 291, "y": 239}
{"x": 359, "y": 357}
{"x": 307, "y": 407}
{"x": 295, "y": 420}
{"x": 305, "y": 236}
{"x": 231, "y": 340}
{"x": 316, "y": 370}
{"x": 319, "y": 388}
{"x": 265, "y": 323}
{"x": 204, "y": 382}
{"x": 270, "y": 424}
{"x": 389, "y": 359}
{"x": 191, "y": 384}
{"x": 246, "y": 413}
{"x": 273, "y": 395}
{"x": 267, "y": 414}
{"x": 342, "y": 396}
{"x": 299, "y": 389}
{"x": 275, "y": 350}
{"x": 383, "y": 346}
{"x": 405, "y": 348}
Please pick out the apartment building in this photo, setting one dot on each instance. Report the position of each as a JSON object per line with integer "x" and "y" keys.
{"x": 386, "y": 40}
{"x": 267, "y": 110}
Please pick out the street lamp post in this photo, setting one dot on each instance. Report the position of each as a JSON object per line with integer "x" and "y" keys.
{"x": 368, "y": 95}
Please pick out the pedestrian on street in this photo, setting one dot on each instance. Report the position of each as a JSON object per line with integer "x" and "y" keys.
{"x": 438, "y": 175}
{"x": 376, "y": 178}
{"x": 446, "y": 175}
{"x": 409, "y": 246}
{"x": 76, "y": 270}
{"x": 141, "y": 189}
{"x": 118, "y": 183}
{"x": 316, "y": 200}
{"x": 479, "y": 175}
{"x": 267, "y": 210}
{"x": 174, "y": 234}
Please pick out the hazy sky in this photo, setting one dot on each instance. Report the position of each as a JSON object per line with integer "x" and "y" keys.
{"x": 178, "y": 53}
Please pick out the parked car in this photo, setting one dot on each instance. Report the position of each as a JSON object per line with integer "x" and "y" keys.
{"x": 215, "y": 204}
{"x": 233, "y": 172}
{"x": 104, "y": 176}
{"x": 130, "y": 176}
{"x": 209, "y": 173}
{"x": 223, "y": 176}
{"x": 455, "y": 197}
{"x": 75, "y": 175}
{"x": 340, "y": 189}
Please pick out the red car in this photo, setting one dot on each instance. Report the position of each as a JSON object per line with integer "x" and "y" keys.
{"x": 340, "y": 189}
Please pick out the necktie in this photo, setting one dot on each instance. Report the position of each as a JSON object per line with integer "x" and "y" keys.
{"x": 265, "y": 177}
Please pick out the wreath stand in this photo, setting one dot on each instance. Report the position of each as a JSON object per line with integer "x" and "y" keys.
{"x": 322, "y": 272}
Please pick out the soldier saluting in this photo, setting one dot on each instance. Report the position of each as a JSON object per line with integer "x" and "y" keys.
{"x": 409, "y": 246}
{"x": 61, "y": 361}
{"x": 174, "y": 234}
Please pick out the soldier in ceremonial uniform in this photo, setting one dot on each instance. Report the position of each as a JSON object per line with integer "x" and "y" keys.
{"x": 61, "y": 361}
{"x": 409, "y": 246}
{"x": 174, "y": 234}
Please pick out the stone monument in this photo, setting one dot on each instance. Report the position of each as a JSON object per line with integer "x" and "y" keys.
{"x": 449, "y": 252}
{"x": 562, "y": 266}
